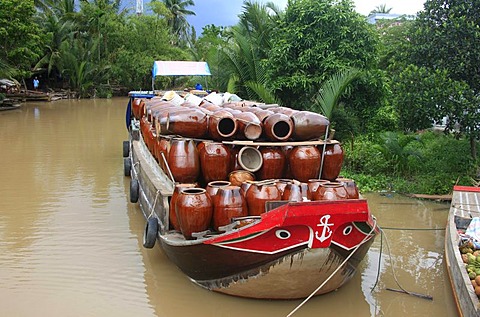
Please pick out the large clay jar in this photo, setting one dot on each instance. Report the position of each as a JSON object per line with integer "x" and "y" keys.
{"x": 274, "y": 163}
{"x": 213, "y": 187}
{"x": 249, "y": 126}
{"x": 173, "y": 202}
{"x": 221, "y": 125}
{"x": 332, "y": 162}
{"x": 281, "y": 184}
{"x": 330, "y": 191}
{"x": 162, "y": 147}
{"x": 137, "y": 107}
{"x": 192, "y": 122}
{"x": 234, "y": 164}
{"x": 258, "y": 194}
{"x": 313, "y": 185}
{"x": 292, "y": 192}
{"x": 250, "y": 159}
{"x": 183, "y": 160}
{"x": 304, "y": 162}
{"x": 278, "y": 127}
{"x": 308, "y": 125}
{"x": 194, "y": 210}
{"x": 228, "y": 203}
{"x": 239, "y": 176}
{"x": 350, "y": 187}
{"x": 214, "y": 161}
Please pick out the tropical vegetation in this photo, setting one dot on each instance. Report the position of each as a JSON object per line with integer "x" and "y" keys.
{"x": 382, "y": 86}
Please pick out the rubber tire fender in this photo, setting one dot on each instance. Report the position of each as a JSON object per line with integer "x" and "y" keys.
{"x": 127, "y": 166}
{"x": 150, "y": 234}
{"x": 134, "y": 190}
{"x": 126, "y": 148}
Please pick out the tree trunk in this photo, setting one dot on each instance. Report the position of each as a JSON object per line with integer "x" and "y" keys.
{"x": 473, "y": 147}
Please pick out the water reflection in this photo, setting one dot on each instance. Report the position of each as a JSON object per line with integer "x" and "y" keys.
{"x": 71, "y": 243}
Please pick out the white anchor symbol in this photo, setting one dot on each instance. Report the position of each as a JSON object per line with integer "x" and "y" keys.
{"x": 326, "y": 232}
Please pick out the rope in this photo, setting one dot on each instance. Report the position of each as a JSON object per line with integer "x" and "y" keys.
{"x": 402, "y": 290}
{"x": 414, "y": 229}
{"x": 154, "y": 204}
{"x": 336, "y": 270}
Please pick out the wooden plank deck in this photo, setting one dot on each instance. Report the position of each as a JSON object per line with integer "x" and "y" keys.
{"x": 465, "y": 204}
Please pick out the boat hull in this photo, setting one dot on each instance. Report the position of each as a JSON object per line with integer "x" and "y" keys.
{"x": 285, "y": 253}
{"x": 465, "y": 204}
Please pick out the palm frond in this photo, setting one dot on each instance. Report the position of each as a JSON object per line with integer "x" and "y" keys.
{"x": 332, "y": 89}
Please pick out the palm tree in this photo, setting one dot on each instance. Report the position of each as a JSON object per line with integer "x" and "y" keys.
{"x": 177, "y": 21}
{"x": 249, "y": 47}
{"x": 332, "y": 89}
{"x": 381, "y": 9}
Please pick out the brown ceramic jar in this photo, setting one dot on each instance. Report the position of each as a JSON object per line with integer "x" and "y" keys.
{"x": 215, "y": 161}
{"x": 274, "y": 163}
{"x": 258, "y": 194}
{"x": 332, "y": 162}
{"x": 304, "y": 162}
{"x": 194, "y": 211}
{"x": 173, "y": 201}
{"x": 228, "y": 203}
{"x": 330, "y": 191}
{"x": 183, "y": 160}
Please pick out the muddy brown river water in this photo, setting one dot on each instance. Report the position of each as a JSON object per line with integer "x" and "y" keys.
{"x": 71, "y": 242}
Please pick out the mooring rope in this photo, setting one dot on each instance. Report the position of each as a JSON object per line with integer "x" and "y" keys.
{"x": 154, "y": 204}
{"x": 337, "y": 269}
{"x": 402, "y": 290}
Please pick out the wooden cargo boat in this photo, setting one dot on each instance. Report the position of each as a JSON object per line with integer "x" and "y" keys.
{"x": 292, "y": 250}
{"x": 464, "y": 207}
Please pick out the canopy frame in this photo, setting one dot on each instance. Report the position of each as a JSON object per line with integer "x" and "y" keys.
{"x": 179, "y": 68}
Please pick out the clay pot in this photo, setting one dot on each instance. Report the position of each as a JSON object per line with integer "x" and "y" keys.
{"x": 191, "y": 122}
{"x": 214, "y": 161}
{"x": 281, "y": 184}
{"x": 234, "y": 164}
{"x": 250, "y": 159}
{"x": 221, "y": 125}
{"x": 228, "y": 203}
{"x": 274, "y": 163}
{"x": 209, "y": 106}
{"x": 261, "y": 113}
{"x": 183, "y": 160}
{"x": 162, "y": 146}
{"x": 258, "y": 194}
{"x": 332, "y": 162}
{"x": 304, "y": 162}
{"x": 194, "y": 210}
{"x": 313, "y": 185}
{"x": 245, "y": 186}
{"x": 249, "y": 126}
{"x": 350, "y": 187}
{"x": 277, "y": 127}
{"x": 213, "y": 187}
{"x": 236, "y": 178}
{"x": 330, "y": 191}
{"x": 173, "y": 201}
{"x": 292, "y": 192}
{"x": 285, "y": 110}
{"x": 137, "y": 107}
{"x": 309, "y": 125}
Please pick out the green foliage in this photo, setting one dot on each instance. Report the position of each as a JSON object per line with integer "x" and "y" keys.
{"x": 314, "y": 40}
{"x": 332, "y": 89}
{"x": 447, "y": 37}
{"x": 247, "y": 51}
{"x": 374, "y": 164}
{"x": 423, "y": 97}
{"x": 20, "y": 46}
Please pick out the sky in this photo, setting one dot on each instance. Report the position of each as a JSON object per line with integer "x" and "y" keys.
{"x": 225, "y": 12}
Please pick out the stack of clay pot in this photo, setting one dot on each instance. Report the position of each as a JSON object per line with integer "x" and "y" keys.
{"x": 185, "y": 136}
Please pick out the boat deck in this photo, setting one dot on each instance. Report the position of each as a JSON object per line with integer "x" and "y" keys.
{"x": 466, "y": 202}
